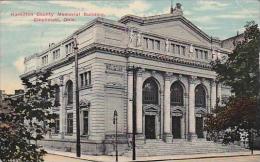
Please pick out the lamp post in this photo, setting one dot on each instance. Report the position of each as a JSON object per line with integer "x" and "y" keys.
{"x": 134, "y": 69}
{"x": 115, "y": 123}
{"x": 77, "y": 98}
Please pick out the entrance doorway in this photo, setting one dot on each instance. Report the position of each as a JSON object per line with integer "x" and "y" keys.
{"x": 199, "y": 127}
{"x": 176, "y": 126}
{"x": 150, "y": 126}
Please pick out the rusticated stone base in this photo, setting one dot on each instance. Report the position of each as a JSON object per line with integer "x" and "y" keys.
{"x": 88, "y": 147}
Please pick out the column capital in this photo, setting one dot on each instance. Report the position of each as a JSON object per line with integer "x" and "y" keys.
{"x": 192, "y": 79}
{"x": 129, "y": 73}
{"x": 212, "y": 82}
{"x": 167, "y": 76}
{"x": 61, "y": 79}
{"x": 140, "y": 72}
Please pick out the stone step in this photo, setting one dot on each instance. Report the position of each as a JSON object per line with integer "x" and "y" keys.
{"x": 181, "y": 147}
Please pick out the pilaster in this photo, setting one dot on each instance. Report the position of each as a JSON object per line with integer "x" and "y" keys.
{"x": 192, "y": 131}
{"x": 130, "y": 102}
{"x": 167, "y": 109}
{"x": 139, "y": 104}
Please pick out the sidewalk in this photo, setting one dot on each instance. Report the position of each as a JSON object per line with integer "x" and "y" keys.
{"x": 105, "y": 158}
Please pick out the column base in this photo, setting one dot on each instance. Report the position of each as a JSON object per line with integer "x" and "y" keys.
{"x": 167, "y": 137}
{"x": 62, "y": 135}
{"x": 192, "y": 137}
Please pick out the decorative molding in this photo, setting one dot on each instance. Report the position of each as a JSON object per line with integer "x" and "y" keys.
{"x": 114, "y": 85}
{"x": 212, "y": 83}
{"x": 179, "y": 77}
{"x": 84, "y": 103}
{"x": 202, "y": 80}
{"x": 140, "y": 72}
{"x": 61, "y": 78}
{"x": 192, "y": 79}
{"x": 114, "y": 69}
{"x": 167, "y": 75}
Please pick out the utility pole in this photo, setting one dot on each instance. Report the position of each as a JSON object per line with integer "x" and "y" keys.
{"x": 115, "y": 123}
{"x": 134, "y": 69}
{"x": 78, "y": 152}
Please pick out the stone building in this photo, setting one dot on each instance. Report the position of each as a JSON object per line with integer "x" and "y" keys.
{"x": 175, "y": 86}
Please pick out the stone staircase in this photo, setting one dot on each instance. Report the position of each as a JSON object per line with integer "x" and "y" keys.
{"x": 181, "y": 147}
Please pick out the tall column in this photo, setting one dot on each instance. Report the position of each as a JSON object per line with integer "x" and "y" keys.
{"x": 167, "y": 109}
{"x": 192, "y": 131}
{"x": 213, "y": 95}
{"x": 130, "y": 102}
{"x": 62, "y": 113}
{"x": 139, "y": 102}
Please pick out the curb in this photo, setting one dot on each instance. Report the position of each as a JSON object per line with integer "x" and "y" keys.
{"x": 168, "y": 159}
{"x": 190, "y": 158}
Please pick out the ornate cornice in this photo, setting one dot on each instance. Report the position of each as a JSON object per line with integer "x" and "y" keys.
{"x": 124, "y": 52}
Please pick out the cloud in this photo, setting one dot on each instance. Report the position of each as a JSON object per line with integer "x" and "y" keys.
{"x": 133, "y": 8}
{"x": 19, "y": 64}
{"x": 241, "y": 14}
{"x": 203, "y": 19}
{"x": 204, "y": 5}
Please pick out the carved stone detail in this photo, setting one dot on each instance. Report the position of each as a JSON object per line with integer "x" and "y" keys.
{"x": 192, "y": 79}
{"x": 112, "y": 67}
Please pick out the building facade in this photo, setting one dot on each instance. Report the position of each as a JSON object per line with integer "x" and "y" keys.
{"x": 175, "y": 86}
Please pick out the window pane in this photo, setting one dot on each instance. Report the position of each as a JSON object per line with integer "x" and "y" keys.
{"x": 200, "y": 96}
{"x": 150, "y": 92}
{"x": 176, "y": 94}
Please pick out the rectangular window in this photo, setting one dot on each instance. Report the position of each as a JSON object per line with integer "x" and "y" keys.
{"x": 85, "y": 122}
{"x": 157, "y": 44}
{"x": 56, "y": 54}
{"x": 69, "y": 48}
{"x": 81, "y": 80}
{"x": 172, "y": 48}
{"x": 45, "y": 60}
{"x": 201, "y": 54}
{"x": 178, "y": 49}
{"x": 69, "y": 123}
{"x": 197, "y": 53}
{"x": 206, "y": 55}
{"x": 85, "y": 78}
{"x": 183, "y": 50}
{"x": 146, "y": 43}
{"x": 57, "y": 125}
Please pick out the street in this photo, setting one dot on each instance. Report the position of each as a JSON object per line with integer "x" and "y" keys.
{"x": 57, "y": 158}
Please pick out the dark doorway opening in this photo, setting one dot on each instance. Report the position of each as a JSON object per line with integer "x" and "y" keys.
{"x": 176, "y": 126}
{"x": 199, "y": 127}
{"x": 150, "y": 126}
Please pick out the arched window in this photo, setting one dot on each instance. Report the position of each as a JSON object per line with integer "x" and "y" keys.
{"x": 57, "y": 95}
{"x": 200, "y": 96}
{"x": 69, "y": 90}
{"x": 176, "y": 94}
{"x": 150, "y": 92}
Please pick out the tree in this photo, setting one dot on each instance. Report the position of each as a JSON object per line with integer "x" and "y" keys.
{"x": 25, "y": 121}
{"x": 240, "y": 72}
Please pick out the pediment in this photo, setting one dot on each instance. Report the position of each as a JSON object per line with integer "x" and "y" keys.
{"x": 180, "y": 29}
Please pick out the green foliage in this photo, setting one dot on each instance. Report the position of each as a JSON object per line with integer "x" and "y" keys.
{"x": 24, "y": 123}
{"x": 238, "y": 116}
{"x": 240, "y": 71}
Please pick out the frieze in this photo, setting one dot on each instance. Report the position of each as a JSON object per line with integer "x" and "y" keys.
{"x": 112, "y": 68}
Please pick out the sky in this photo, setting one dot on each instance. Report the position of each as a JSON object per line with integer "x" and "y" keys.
{"x": 21, "y": 36}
